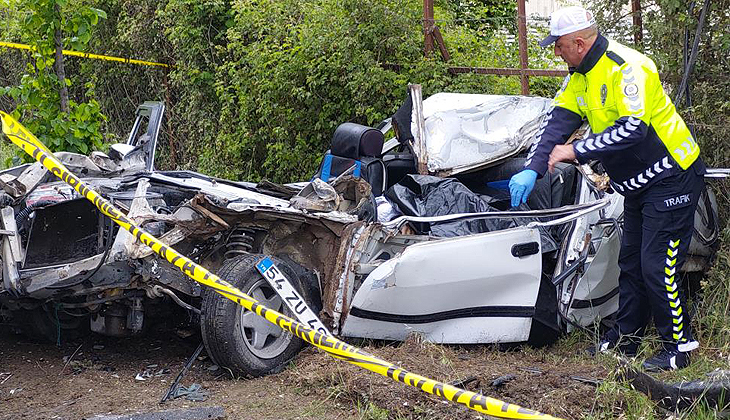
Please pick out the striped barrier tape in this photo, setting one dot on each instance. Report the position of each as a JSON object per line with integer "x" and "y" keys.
{"x": 336, "y": 348}
{"x": 296, "y": 303}
{"x": 86, "y": 55}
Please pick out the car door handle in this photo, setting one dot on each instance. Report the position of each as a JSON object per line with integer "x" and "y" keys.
{"x": 523, "y": 250}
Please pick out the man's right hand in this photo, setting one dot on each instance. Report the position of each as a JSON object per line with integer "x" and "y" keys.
{"x": 520, "y": 186}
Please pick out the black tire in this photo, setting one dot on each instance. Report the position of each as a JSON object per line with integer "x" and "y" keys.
{"x": 239, "y": 348}
{"x": 692, "y": 284}
{"x": 47, "y": 325}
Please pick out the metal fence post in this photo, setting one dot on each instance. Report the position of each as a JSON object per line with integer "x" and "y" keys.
{"x": 638, "y": 29}
{"x": 522, "y": 44}
{"x": 428, "y": 23}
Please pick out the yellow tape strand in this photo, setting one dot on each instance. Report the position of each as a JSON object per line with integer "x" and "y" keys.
{"x": 86, "y": 55}
{"x": 24, "y": 139}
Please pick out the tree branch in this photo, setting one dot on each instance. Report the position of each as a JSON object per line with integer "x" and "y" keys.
{"x": 58, "y": 64}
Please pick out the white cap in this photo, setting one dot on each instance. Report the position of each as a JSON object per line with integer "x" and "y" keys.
{"x": 567, "y": 20}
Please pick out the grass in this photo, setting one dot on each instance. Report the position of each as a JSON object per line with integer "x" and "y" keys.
{"x": 711, "y": 323}
{"x": 615, "y": 400}
{"x": 612, "y": 399}
{"x": 369, "y": 411}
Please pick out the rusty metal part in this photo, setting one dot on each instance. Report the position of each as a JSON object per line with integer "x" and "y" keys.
{"x": 353, "y": 258}
{"x": 600, "y": 182}
{"x": 310, "y": 239}
{"x": 441, "y": 44}
{"x": 197, "y": 204}
{"x": 522, "y": 45}
{"x": 419, "y": 133}
{"x": 190, "y": 218}
{"x": 636, "y": 17}
{"x": 428, "y": 23}
{"x": 337, "y": 266}
{"x": 499, "y": 71}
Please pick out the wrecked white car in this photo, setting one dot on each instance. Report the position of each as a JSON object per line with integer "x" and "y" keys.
{"x": 377, "y": 250}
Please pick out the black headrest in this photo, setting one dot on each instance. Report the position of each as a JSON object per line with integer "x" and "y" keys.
{"x": 402, "y": 121}
{"x": 354, "y": 140}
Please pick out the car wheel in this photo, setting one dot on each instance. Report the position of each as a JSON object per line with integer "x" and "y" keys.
{"x": 45, "y": 324}
{"x": 692, "y": 284}
{"x": 240, "y": 339}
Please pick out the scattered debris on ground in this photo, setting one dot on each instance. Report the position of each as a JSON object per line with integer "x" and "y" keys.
{"x": 678, "y": 396}
{"x": 41, "y": 381}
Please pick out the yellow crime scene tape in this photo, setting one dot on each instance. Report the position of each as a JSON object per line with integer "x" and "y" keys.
{"x": 336, "y": 348}
{"x": 85, "y": 55}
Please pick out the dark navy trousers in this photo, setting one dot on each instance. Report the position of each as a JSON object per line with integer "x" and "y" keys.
{"x": 658, "y": 225}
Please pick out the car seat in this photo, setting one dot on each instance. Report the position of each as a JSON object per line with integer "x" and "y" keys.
{"x": 359, "y": 146}
{"x": 551, "y": 191}
{"x": 401, "y": 162}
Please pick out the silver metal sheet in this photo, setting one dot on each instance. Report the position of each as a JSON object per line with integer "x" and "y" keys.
{"x": 448, "y": 280}
{"x": 466, "y": 131}
{"x": 599, "y": 280}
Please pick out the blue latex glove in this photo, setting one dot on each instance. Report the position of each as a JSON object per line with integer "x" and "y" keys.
{"x": 520, "y": 186}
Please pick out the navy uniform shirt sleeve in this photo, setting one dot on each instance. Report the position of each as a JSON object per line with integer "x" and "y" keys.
{"x": 555, "y": 129}
{"x": 624, "y": 133}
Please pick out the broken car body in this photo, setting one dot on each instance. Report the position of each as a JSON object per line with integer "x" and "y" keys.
{"x": 552, "y": 267}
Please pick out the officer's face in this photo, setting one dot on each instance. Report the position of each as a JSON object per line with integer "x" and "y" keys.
{"x": 570, "y": 49}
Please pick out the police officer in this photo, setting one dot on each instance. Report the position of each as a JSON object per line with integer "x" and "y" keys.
{"x": 651, "y": 158}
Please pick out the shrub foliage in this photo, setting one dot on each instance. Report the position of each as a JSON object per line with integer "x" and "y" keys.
{"x": 256, "y": 88}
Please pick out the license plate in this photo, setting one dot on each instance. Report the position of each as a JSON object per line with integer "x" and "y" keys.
{"x": 293, "y": 300}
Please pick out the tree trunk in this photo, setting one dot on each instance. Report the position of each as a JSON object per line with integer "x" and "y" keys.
{"x": 58, "y": 65}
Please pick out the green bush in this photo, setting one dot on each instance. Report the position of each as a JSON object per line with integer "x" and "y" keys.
{"x": 296, "y": 70}
{"x": 275, "y": 78}
{"x": 256, "y": 88}
{"x": 36, "y": 97}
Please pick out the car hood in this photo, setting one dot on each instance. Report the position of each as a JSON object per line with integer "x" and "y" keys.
{"x": 465, "y": 132}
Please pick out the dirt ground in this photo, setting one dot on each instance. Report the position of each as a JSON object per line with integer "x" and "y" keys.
{"x": 96, "y": 375}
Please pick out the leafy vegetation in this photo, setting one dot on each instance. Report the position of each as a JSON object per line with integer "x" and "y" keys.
{"x": 256, "y": 89}
{"x": 484, "y": 16}
{"x": 40, "y": 97}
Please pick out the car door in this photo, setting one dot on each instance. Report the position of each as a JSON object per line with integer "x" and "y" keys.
{"x": 472, "y": 289}
{"x": 480, "y": 288}
{"x": 146, "y": 130}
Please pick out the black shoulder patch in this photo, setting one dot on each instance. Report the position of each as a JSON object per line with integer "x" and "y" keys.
{"x": 615, "y": 57}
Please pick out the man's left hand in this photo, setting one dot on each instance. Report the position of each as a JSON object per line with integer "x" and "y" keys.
{"x": 561, "y": 153}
